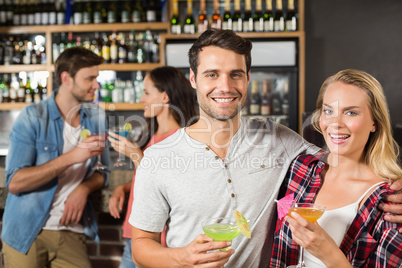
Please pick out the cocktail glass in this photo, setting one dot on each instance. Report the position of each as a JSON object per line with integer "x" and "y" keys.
{"x": 311, "y": 212}
{"x": 124, "y": 133}
{"x": 99, "y": 165}
{"x": 221, "y": 229}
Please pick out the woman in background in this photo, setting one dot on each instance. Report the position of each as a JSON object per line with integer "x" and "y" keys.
{"x": 350, "y": 181}
{"x": 169, "y": 103}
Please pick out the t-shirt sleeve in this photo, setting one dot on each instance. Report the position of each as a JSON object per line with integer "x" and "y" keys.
{"x": 295, "y": 144}
{"x": 150, "y": 209}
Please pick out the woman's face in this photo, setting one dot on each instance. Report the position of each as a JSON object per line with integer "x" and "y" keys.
{"x": 346, "y": 120}
{"x": 154, "y": 101}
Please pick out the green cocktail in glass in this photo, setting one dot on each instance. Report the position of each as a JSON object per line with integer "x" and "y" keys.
{"x": 221, "y": 229}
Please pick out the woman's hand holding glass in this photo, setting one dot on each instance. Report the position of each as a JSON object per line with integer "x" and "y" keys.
{"x": 125, "y": 146}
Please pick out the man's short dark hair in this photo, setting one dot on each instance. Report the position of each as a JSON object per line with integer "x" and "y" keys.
{"x": 73, "y": 59}
{"x": 226, "y": 39}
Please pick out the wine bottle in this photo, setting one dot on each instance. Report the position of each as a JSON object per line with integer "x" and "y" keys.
{"x": 268, "y": 17}
{"x": 237, "y": 17}
{"x": 61, "y": 13}
{"x": 6, "y": 88}
{"x": 3, "y": 16}
{"x": 202, "y": 24}
{"x": 266, "y": 98}
{"x": 279, "y": 19}
{"x": 17, "y": 13}
{"x": 78, "y": 12}
{"x": 138, "y": 13}
{"x": 87, "y": 13}
{"x": 248, "y": 23}
{"x": 139, "y": 49}
{"x": 106, "y": 48}
{"x": 96, "y": 45}
{"x": 258, "y": 17}
{"x": 227, "y": 23}
{"x": 45, "y": 12}
{"x": 216, "y": 16}
{"x": 113, "y": 49}
{"x": 28, "y": 91}
{"x": 131, "y": 48}
{"x": 112, "y": 12}
{"x": 255, "y": 99}
{"x": 52, "y": 12}
{"x": 9, "y": 12}
{"x": 38, "y": 12}
{"x": 175, "y": 25}
{"x": 189, "y": 25}
{"x": 122, "y": 48}
{"x": 62, "y": 44}
{"x": 24, "y": 12}
{"x": 126, "y": 12}
{"x": 291, "y": 20}
{"x": 31, "y": 13}
{"x": 151, "y": 13}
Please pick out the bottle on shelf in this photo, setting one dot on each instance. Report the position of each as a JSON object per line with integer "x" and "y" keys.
{"x": 125, "y": 13}
{"x": 14, "y": 87}
{"x": 5, "y": 85}
{"x": 30, "y": 12}
{"x": 38, "y": 12}
{"x": 60, "y": 13}
{"x": 279, "y": 19}
{"x": 3, "y": 16}
{"x": 87, "y": 13}
{"x": 258, "y": 18}
{"x": 1, "y": 53}
{"x": 117, "y": 93}
{"x": 28, "y": 91}
{"x": 216, "y": 16}
{"x": 237, "y": 17}
{"x": 227, "y": 23}
{"x": 106, "y": 48}
{"x": 97, "y": 14}
{"x": 291, "y": 20}
{"x": 268, "y": 17}
{"x": 276, "y": 103}
{"x": 122, "y": 48}
{"x": 45, "y": 13}
{"x": 104, "y": 92}
{"x": 151, "y": 12}
{"x": 255, "y": 99}
{"x": 114, "y": 49}
{"x": 131, "y": 48}
{"x": 148, "y": 43}
{"x": 16, "y": 13}
{"x": 139, "y": 87}
{"x": 78, "y": 12}
{"x": 10, "y": 12}
{"x": 248, "y": 22}
{"x": 129, "y": 92}
{"x": 8, "y": 52}
{"x": 189, "y": 24}
{"x": 21, "y": 92}
{"x": 112, "y": 12}
{"x": 138, "y": 12}
{"x": 202, "y": 24}
{"x": 24, "y": 12}
{"x": 139, "y": 49}
{"x": 52, "y": 12}
{"x": 175, "y": 25}
{"x": 266, "y": 98}
{"x": 26, "y": 58}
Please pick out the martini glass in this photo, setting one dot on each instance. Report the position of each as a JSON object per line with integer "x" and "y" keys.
{"x": 99, "y": 165}
{"x": 221, "y": 229}
{"x": 311, "y": 212}
{"x": 124, "y": 133}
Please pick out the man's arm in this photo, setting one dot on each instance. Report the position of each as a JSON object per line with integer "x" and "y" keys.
{"x": 396, "y": 207}
{"x": 31, "y": 178}
{"x": 148, "y": 252}
{"x": 76, "y": 201}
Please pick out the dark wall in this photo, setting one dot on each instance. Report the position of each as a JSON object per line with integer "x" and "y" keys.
{"x": 360, "y": 34}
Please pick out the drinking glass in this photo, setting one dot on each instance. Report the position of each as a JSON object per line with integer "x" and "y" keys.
{"x": 221, "y": 229}
{"x": 311, "y": 212}
{"x": 124, "y": 133}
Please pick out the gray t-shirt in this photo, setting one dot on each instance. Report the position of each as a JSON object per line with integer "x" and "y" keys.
{"x": 180, "y": 182}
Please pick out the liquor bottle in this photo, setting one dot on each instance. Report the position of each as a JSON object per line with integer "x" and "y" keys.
{"x": 266, "y": 98}
{"x": 255, "y": 99}
{"x": 55, "y": 49}
{"x": 28, "y": 91}
{"x": 258, "y": 18}
{"x": 155, "y": 48}
{"x": 117, "y": 93}
{"x": 279, "y": 19}
{"x": 189, "y": 24}
{"x": 87, "y": 13}
{"x": 291, "y": 20}
{"x": 17, "y": 13}
{"x": 9, "y": 12}
{"x": 276, "y": 103}
{"x": 38, "y": 12}
{"x": 138, "y": 12}
{"x": 148, "y": 42}
{"x": 126, "y": 12}
{"x": 104, "y": 91}
{"x": 78, "y": 11}
{"x": 151, "y": 13}
{"x": 237, "y": 17}
{"x": 96, "y": 46}
{"x": 175, "y": 25}
{"x": 106, "y": 48}
{"x": 37, "y": 92}
{"x": 131, "y": 48}
{"x": 112, "y": 12}
{"x": 114, "y": 49}
{"x": 62, "y": 44}
{"x": 78, "y": 41}
{"x": 3, "y": 18}
{"x": 8, "y": 52}
{"x": 139, "y": 49}
{"x": 216, "y": 16}
{"x": 45, "y": 13}
{"x": 122, "y": 48}
{"x": 248, "y": 22}
{"x": 60, "y": 13}
{"x": 14, "y": 86}
{"x": 43, "y": 92}
{"x": 129, "y": 92}
{"x": 70, "y": 41}
{"x": 139, "y": 87}
{"x": 31, "y": 13}
{"x": 6, "y": 88}
{"x": 21, "y": 92}
{"x": 97, "y": 18}
{"x": 227, "y": 23}
{"x": 268, "y": 17}
{"x": 24, "y": 12}
{"x": 52, "y": 12}
{"x": 202, "y": 24}
{"x": 26, "y": 58}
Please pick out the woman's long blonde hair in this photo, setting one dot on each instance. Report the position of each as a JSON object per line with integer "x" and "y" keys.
{"x": 381, "y": 151}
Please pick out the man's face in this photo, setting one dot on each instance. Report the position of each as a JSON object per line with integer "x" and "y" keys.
{"x": 84, "y": 84}
{"x": 221, "y": 83}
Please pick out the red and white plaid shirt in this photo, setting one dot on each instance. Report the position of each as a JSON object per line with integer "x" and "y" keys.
{"x": 370, "y": 241}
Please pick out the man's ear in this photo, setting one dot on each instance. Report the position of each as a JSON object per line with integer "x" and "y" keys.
{"x": 65, "y": 78}
{"x": 192, "y": 79}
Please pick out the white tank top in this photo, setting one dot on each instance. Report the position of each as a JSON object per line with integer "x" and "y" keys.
{"x": 336, "y": 223}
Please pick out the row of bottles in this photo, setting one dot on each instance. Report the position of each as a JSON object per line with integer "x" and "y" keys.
{"x": 132, "y": 47}
{"x": 119, "y": 91}
{"x": 116, "y": 11}
{"x": 279, "y": 20}
{"x": 29, "y": 88}
{"x": 31, "y": 12}
{"x": 268, "y": 101}
{"x": 22, "y": 50}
